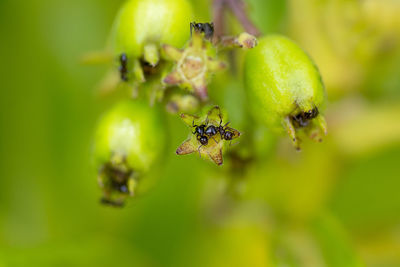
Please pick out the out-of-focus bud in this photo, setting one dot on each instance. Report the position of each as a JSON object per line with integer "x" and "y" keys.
{"x": 285, "y": 88}
{"x": 142, "y": 26}
{"x": 194, "y": 65}
{"x": 130, "y": 139}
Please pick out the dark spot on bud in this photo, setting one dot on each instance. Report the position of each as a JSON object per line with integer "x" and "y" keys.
{"x": 148, "y": 69}
{"x": 303, "y": 118}
{"x": 117, "y": 176}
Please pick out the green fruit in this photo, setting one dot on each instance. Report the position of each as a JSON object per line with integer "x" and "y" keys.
{"x": 142, "y": 25}
{"x": 130, "y": 140}
{"x": 285, "y": 88}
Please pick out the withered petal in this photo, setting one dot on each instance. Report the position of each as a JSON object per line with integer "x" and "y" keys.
{"x": 216, "y": 156}
{"x": 246, "y": 40}
{"x": 173, "y": 78}
{"x": 186, "y": 148}
{"x": 189, "y": 119}
{"x": 200, "y": 89}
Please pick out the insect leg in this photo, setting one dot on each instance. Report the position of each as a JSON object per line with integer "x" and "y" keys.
{"x": 193, "y": 125}
{"x": 198, "y": 149}
{"x": 191, "y": 27}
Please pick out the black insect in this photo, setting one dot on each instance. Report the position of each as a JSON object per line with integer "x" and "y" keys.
{"x": 228, "y": 135}
{"x": 206, "y": 28}
{"x": 211, "y": 130}
{"x": 201, "y": 135}
{"x": 204, "y": 132}
{"x": 226, "y": 132}
{"x": 303, "y": 119}
{"x": 123, "y": 67}
{"x": 311, "y": 114}
{"x": 199, "y": 129}
{"x": 117, "y": 182}
{"x": 118, "y": 178}
{"x": 203, "y": 140}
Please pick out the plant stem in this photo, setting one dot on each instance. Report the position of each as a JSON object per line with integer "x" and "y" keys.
{"x": 218, "y": 18}
{"x": 238, "y": 9}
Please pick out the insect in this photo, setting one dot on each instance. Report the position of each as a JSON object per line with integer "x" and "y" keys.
{"x": 199, "y": 129}
{"x": 203, "y": 139}
{"x": 205, "y": 131}
{"x": 123, "y": 68}
{"x": 119, "y": 177}
{"x": 200, "y": 134}
{"x": 303, "y": 119}
{"x": 227, "y": 133}
{"x": 117, "y": 183}
{"x": 206, "y": 28}
{"x": 211, "y": 130}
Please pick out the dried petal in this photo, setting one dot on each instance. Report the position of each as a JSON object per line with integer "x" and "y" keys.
{"x": 246, "y": 40}
{"x": 186, "y": 148}
{"x": 214, "y": 116}
{"x": 173, "y": 78}
{"x": 200, "y": 88}
{"x": 287, "y": 124}
{"x": 189, "y": 119}
{"x": 216, "y": 156}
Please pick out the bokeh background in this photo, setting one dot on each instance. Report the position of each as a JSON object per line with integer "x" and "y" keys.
{"x": 334, "y": 204}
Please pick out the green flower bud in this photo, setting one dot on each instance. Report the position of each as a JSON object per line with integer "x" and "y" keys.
{"x": 142, "y": 25}
{"x": 129, "y": 141}
{"x": 285, "y": 88}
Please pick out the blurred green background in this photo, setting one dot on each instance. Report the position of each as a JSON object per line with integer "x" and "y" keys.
{"x": 334, "y": 204}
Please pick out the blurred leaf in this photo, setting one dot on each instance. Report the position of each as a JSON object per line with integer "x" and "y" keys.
{"x": 367, "y": 197}
{"x": 333, "y": 242}
{"x": 269, "y": 15}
